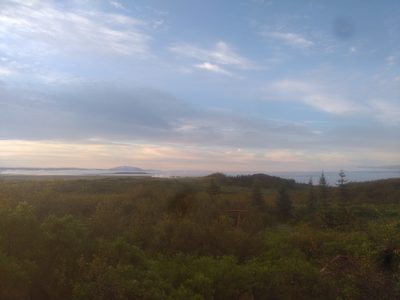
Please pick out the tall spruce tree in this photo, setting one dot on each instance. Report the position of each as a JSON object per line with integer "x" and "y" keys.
{"x": 311, "y": 201}
{"x": 341, "y": 183}
{"x": 257, "y": 197}
{"x": 284, "y": 203}
{"x": 323, "y": 190}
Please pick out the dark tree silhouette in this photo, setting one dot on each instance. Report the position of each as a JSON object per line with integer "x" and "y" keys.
{"x": 323, "y": 190}
{"x": 213, "y": 189}
{"x": 341, "y": 183}
{"x": 257, "y": 197}
{"x": 284, "y": 203}
{"x": 311, "y": 205}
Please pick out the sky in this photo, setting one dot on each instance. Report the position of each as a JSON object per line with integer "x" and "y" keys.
{"x": 251, "y": 85}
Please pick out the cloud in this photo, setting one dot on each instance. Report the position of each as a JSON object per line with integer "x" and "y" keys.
{"x": 78, "y": 111}
{"x": 386, "y": 112}
{"x": 284, "y": 155}
{"x": 105, "y": 125}
{"x": 290, "y": 38}
{"x": 56, "y": 78}
{"x": 105, "y": 155}
{"x": 116, "y": 4}
{"x": 222, "y": 54}
{"x": 5, "y": 72}
{"x": 352, "y": 138}
{"x": 313, "y": 94}
{"x": 391, "y": 60}
{"x": 210, "y": 67}
{"x": 42, "y": 28}
{"x": 353, "y": 49}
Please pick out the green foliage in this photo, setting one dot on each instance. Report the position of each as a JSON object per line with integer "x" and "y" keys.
{"x": 323, "y": 190}
{"x": 19, "y": 231}
{"x": 341, "y": 183}
{"x": 143, "y": 238}
{"x": 311, "y": 200}
{"x": 182, "y": 202}
{"x": 284, "y": 203}
{"x": 213, "y": 189}
{"x": 257, "y": 197}
{"x": 262, "y": 180}
{"x": 14, "y": 278}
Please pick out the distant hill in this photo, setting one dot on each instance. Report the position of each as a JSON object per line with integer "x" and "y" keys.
{"x": 263, "y": 180}
{"x": 127, "y": 169}
{"x": 377, "y": 191}
{"x": 121, "y": 170}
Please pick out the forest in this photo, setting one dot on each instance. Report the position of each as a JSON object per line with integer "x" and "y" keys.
{"x": 214, "y": 237}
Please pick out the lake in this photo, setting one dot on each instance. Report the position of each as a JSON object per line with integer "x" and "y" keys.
{"x": 301, "y": 177}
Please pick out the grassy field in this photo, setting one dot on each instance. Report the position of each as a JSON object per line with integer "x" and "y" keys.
{"x": 152, "y": 238}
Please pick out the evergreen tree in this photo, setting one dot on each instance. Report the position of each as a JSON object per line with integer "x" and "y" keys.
{"x": 341, "y": 183}
{"x": 257, "y": 197}
{"x": 311, "y": 205}
{"x": 284, "y": 203}
{"x": 213, "y": 189}
{"x": 182, "y": 202}
{"x": 323, "y": 189}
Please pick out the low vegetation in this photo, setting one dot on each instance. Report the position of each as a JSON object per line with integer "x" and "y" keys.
{"x": 216, "y": 237}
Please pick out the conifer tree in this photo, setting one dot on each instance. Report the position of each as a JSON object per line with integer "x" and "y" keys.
{"x": 284, "y": 203}
{"x": 257, "y": 197}
{"x": 341, "y": 183}
{"x": 323, "y": 190}
{"x": 311, "y": 205}
{"x": 213, "y": 189}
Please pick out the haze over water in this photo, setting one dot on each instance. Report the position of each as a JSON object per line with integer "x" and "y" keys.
{"x": 300, "y": 177}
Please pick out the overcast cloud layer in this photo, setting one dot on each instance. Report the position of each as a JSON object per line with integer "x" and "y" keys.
{"x": 234, "y": 85}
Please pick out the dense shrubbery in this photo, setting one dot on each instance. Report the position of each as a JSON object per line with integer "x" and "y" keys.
{"x": 142, "y": 238}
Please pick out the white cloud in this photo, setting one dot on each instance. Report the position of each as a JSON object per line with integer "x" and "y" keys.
{"x": 391, "y": 60}
{"x": 57, "y": 78}
{"x": 291, "y": 39}
{"x": 286, "y": 155}
{"x": 41, "y": 28}
{"x": 212, "y": 68}
{"x": 322, "y": 96}
{"x": 116, "y": 4}
{"x": 222, "y": 54}
{"x": 353, "y": 50}
{"x": 385, "y": 111}
{"x": 313, "y": 94}
{"x": 4, "y": 72}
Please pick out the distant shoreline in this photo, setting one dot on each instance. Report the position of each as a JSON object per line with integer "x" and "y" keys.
{"x": 299, "y": 177}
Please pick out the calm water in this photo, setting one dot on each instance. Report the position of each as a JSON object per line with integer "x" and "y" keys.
{"x": 332, "y": 177}
{"x": 304, "y": 177}
{"x": 301, "y": 177}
